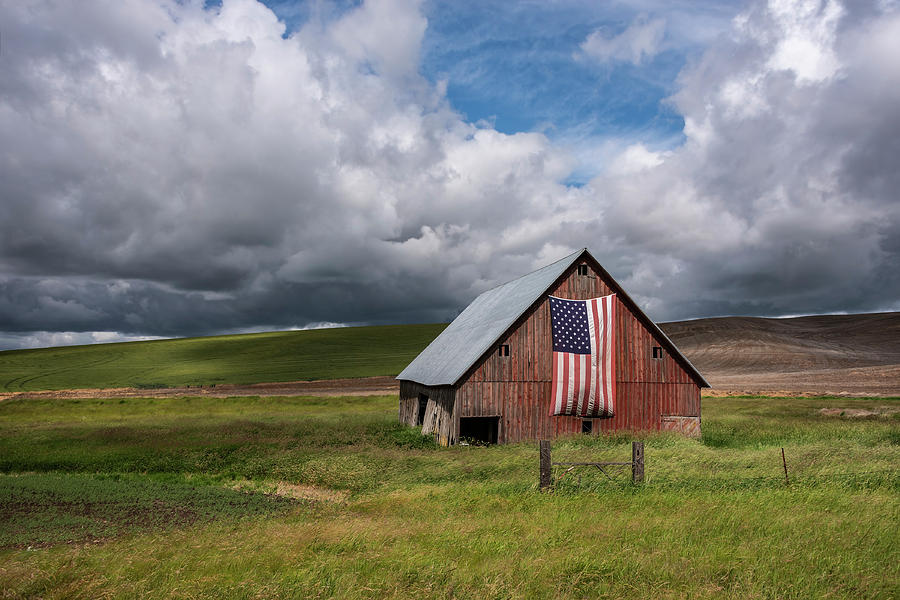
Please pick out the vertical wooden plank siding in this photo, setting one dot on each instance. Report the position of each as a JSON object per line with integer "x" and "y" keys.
{"x": 441, "y": 410}
{"x": 517, "y": 387}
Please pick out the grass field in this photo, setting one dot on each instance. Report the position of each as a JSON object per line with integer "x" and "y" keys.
{"x": 318, "y": 498}
{"x": 239, "y": 359}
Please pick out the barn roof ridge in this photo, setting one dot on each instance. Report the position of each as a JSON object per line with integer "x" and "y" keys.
{"x": 572, "y": 256}
{"x": 471, "y": 334}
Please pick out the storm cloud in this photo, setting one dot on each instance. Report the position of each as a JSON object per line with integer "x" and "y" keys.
{"x": 172, "y": 170}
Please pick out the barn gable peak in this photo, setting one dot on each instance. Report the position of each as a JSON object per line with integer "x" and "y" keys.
{"x": 481, "y": 325}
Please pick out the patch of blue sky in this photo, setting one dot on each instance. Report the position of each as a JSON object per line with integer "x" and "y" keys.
{"x": 295, "y": 13}
{"x": 518, "y": 66}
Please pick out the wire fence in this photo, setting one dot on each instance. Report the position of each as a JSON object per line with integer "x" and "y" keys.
{"x": 574, "y": 475}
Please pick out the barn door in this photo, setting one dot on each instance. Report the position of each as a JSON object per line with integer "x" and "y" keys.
{"x": 439, "y": 418}
{"x": 423, "y": 404}
{"x": 429, "y": 415}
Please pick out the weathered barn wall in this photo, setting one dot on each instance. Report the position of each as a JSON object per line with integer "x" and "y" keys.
{"x": 518, "y": 386}
{"x": 525, "y": 408}
{"x": 409, "y": 401}
{"x": 440, "y": 414}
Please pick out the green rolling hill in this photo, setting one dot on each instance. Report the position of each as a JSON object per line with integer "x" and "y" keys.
{"x": 235, "y": 359}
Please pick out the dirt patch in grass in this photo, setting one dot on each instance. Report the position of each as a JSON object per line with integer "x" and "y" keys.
{"x": 295, "y": 491}
{"x": 309, "y": 492}
{"x": 859, "y": 413}
{"x": 42, "y": 509}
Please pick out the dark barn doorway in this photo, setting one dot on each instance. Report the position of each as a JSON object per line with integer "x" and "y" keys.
{"x": 481, "y": 430}
{"x": 423, "y": 404}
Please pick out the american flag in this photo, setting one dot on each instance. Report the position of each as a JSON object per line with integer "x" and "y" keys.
{"x": 584, "y": 367}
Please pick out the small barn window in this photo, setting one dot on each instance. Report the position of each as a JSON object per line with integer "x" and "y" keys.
{"x": 504, "y": 350}
{"x": 657, "y": 352}
{"x": 587, "y": 425}
{"x": 423, "y": 404}
{"x": 582, "y": 269}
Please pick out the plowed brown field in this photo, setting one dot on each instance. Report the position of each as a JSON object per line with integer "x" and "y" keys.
{"x": 363, "y": 386}
{"x": 847, "y": 355}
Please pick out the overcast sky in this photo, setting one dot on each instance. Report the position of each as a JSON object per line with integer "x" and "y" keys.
{"x": 187, "y": 168}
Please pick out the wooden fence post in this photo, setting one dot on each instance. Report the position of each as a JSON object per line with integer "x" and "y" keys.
{"x": 637, "y": 462}
{"x": 545, "y": 465}
{"x": 784, "y": 462}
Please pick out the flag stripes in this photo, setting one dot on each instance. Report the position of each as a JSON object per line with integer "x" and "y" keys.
{"x": 583, "y": 359}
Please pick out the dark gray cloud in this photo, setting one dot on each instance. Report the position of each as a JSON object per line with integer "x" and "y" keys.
{"x": 168, "y": 171}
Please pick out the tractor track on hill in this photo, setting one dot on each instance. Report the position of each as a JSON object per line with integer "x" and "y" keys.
{"x": 21, "y": 381}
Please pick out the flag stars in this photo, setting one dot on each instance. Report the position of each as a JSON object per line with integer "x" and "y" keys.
{"x": 570, "y": 326}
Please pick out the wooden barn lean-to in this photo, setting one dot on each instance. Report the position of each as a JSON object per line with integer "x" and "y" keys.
{"x": 488, "y": 375}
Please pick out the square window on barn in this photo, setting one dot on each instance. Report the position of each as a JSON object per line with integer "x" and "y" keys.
{"x": 582, "y": 269}
{"x": 657, "y": 352}
{"x": 503, "y": 350}
{"x": 587, "y": 425}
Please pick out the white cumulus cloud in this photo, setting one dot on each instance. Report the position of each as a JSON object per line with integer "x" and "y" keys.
{"x": 639, "y": 42}
{"x": 170, "y": 169}
{"x": 782, "y": 194}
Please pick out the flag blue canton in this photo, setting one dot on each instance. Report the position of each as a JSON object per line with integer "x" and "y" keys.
{"x": 570, "y": 326}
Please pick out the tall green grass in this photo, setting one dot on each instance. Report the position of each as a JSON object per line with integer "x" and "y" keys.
{"x": 715, "y": 518}
{"x": 238, "y": 359}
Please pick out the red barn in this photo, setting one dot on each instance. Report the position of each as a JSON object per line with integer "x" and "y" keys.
{"x": 488, "y": 375}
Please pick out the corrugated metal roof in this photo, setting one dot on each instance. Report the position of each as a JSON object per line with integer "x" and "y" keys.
{"x": 477, "y": 328}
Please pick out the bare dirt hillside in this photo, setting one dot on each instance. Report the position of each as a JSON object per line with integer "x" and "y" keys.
{"x": 830, "y": 354}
